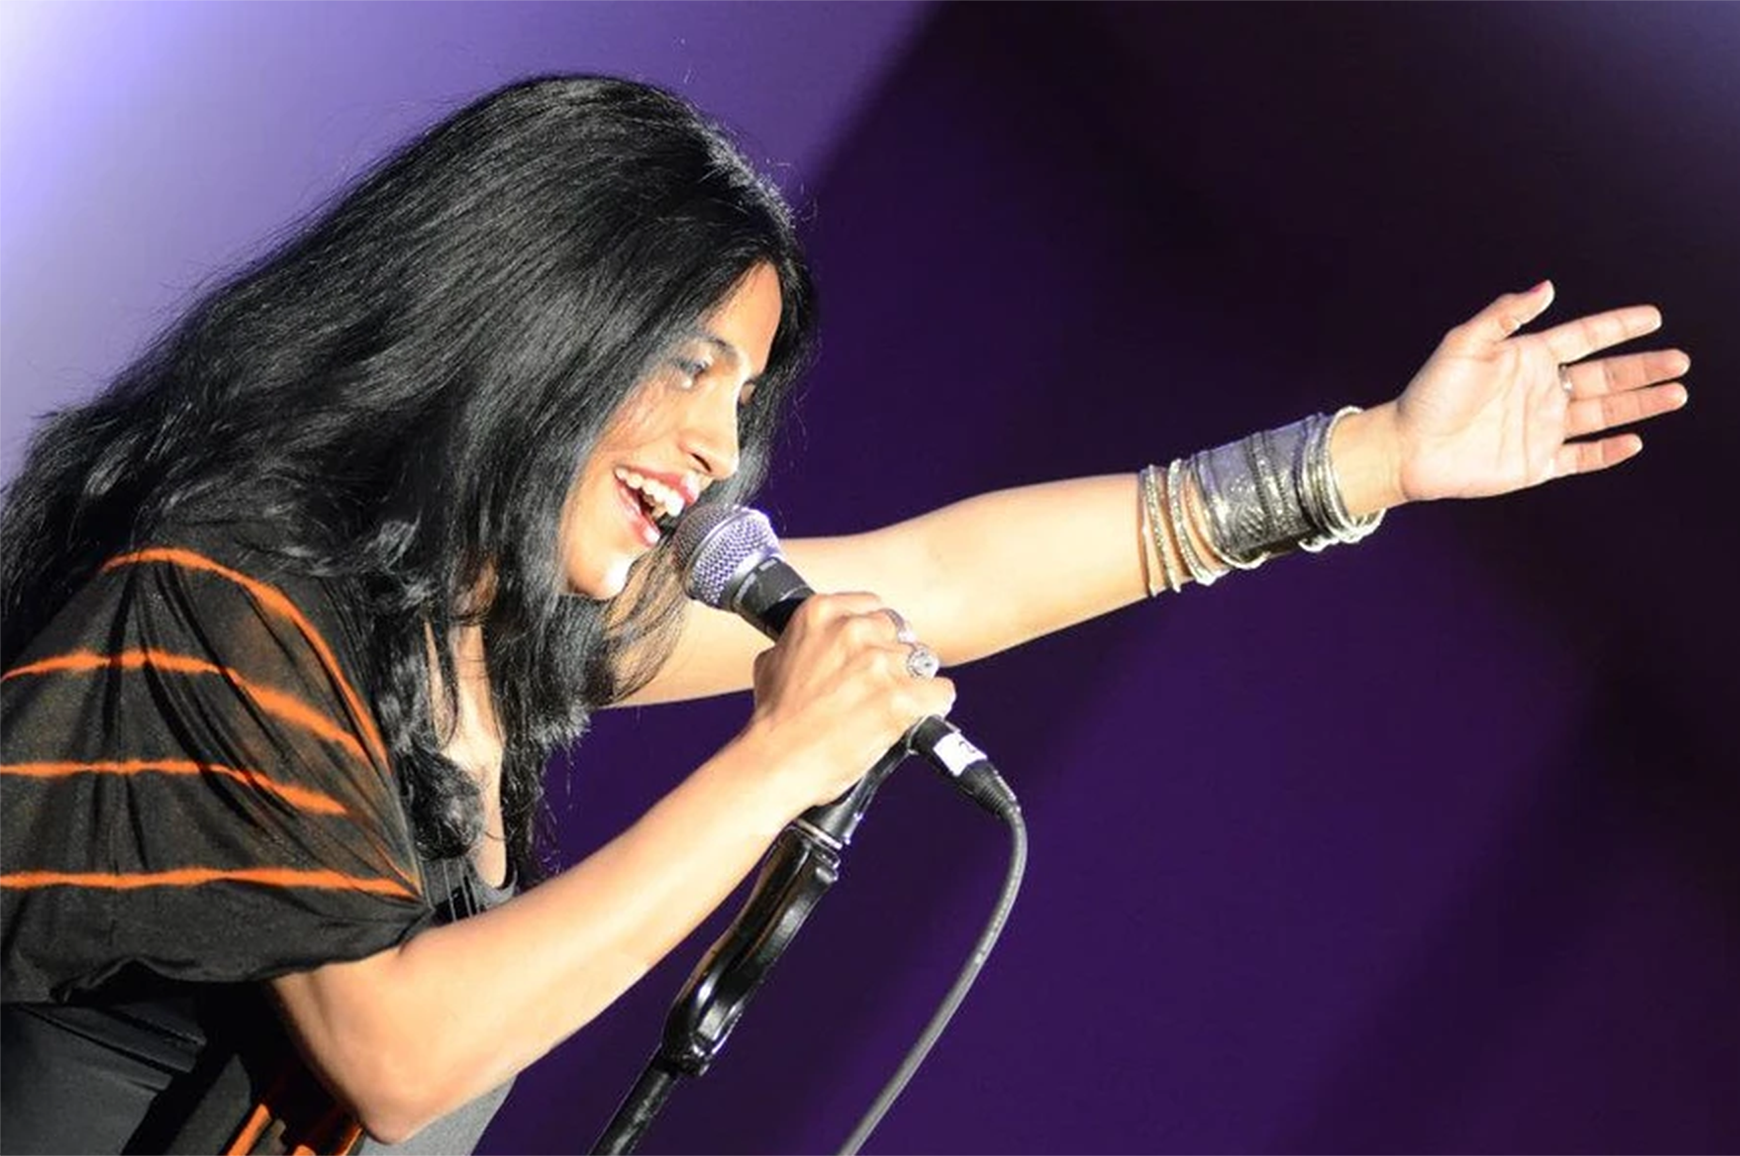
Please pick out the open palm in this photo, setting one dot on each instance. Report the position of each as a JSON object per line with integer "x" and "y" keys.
{"x": 1495, "y": 410}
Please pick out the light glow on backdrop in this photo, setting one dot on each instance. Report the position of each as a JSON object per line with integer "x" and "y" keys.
{"x": 1423, "y": 845}
{"x": 149, "y": 147}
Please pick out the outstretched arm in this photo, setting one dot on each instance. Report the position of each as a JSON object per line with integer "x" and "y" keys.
{"x": 397, "y": 1034}
{"x": 1487, "y": 414}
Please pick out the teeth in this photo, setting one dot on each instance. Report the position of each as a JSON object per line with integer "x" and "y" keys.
{"x": 668, "y": 502}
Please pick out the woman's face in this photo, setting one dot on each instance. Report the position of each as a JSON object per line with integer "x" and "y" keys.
{"x": 676, "y": 435}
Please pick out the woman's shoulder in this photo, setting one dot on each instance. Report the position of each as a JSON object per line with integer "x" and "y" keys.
{"x": 193, "y": 757}
{"x": 250, "y": 555}
{"x": 232, "y": 577}
{"x": 215, "y": 603}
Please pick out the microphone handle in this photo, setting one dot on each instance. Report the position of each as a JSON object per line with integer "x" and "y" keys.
{"x": 768, "y": 595}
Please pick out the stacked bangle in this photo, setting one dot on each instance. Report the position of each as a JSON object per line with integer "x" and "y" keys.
{"x": 1251, "y": 500}
{"x": 1154, "y": 522}
{"x": 1200, "y": 571}
{"x": 1145, "y": 534}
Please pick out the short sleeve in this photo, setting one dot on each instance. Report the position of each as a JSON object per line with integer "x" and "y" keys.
{"x": 194, "y": 783}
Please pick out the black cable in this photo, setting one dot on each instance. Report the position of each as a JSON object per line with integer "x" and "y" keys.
{"x": 1011, "y": 814}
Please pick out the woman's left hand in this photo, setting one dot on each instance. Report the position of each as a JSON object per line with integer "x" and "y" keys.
{"x": 1495, "y": 410}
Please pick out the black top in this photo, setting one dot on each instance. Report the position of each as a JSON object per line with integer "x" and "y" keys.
{"x": 197, "y": 798}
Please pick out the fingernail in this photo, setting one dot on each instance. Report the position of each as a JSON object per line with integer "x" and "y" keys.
{"x": 1541, "y": 286}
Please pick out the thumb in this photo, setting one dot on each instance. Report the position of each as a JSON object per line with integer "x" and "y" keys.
{"x": 1503, "y": 317}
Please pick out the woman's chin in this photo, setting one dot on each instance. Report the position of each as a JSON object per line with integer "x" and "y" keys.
{"x": 600, "y": 584}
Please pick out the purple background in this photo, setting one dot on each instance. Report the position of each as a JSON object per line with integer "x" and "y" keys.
{"x": 1427, "y": 845}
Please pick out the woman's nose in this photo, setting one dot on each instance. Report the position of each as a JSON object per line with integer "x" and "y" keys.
{"x": 709, "y": 435}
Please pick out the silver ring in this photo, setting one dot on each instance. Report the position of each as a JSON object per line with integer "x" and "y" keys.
{"x": 922, "y": 662}
{"x": 903, "y": 631}
{"x": 1565, "y": 377}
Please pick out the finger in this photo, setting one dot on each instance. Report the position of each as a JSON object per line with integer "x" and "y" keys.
{"x": 872, "y": 630}
{"x": 1588, "y": 457}
{"x": 1575, "y": 340}
{"x": 906, "y": 660}
{"x": 761, "y": 673}
{"x": 939, "y": 697}
{"x": 1592, "y": 415}
{"x": 903, "y": 631}
{"x": 1631, "y": 371}
{"x": 827, "y": 608}
{"x": 1503, "y": 317}
{"x": 922, "y": 661}
{"x": 891, "y": 666}
{"x": 923, "y": 698}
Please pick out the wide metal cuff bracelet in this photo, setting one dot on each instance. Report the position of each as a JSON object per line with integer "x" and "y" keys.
{"x": 1274, "y": 492}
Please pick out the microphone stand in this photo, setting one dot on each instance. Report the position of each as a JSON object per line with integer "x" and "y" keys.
{"x": 797, "y": 871}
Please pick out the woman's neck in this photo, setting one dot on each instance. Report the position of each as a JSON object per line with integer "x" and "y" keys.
{"x": 474, "y": 740}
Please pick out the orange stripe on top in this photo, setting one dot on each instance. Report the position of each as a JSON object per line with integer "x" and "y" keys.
{"x": 285, "y": 706}
{"x": 274, "y": 600}
{"x": 197, "y": 876}
{"x": 300, "y": 797}
{"x": 347, "y": 1139}
{"x": 252, "y": 1127}
{"x": 327, "y": 1134}
{"x": 255, "y": 1124}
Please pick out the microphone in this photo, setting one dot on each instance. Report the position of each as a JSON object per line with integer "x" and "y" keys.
{"x": 731, "y": 560}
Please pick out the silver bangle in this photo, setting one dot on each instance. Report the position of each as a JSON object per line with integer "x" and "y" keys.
{"x": 1145, "y": 534}
{"x": 1156, "y": 536}
{"x": 1316, "y": 489}
{"x": 1341, "y": 526}
{"x": 1200, "y": 571}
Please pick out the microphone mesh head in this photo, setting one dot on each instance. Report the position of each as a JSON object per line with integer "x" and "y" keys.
{"x": 717, "y": 544}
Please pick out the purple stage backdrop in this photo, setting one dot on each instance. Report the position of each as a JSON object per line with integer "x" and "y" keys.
{"x": 1432, "y": 844}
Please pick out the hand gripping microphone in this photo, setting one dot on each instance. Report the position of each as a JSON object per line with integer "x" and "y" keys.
{"x": 731, "y": 561}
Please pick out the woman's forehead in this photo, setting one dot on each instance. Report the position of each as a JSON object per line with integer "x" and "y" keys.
{"x": 744, "y": 323}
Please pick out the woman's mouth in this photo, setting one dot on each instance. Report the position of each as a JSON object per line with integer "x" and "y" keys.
{"x": 652, "y": 505}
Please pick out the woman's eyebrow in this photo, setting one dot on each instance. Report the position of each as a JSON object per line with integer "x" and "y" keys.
{"x": 727, "y": 349}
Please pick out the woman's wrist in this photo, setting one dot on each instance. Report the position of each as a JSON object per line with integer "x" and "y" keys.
{"x": 751, "y": 767}
{"x": 1365, "y": 454}
{"x": 776, "y": 773}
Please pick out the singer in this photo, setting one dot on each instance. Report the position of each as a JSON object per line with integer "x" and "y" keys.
{"x": 298, "y": 608}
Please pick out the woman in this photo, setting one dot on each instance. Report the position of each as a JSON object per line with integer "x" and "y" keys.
{"x": 296, "y": 611}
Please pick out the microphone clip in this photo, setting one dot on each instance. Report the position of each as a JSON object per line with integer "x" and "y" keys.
{"x": 797, "y": 871}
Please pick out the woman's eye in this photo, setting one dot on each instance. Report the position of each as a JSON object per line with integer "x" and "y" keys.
{"x": 693, "y": 371}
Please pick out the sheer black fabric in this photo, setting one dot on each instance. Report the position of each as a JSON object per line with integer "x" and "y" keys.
{"x": 196, "y": 799}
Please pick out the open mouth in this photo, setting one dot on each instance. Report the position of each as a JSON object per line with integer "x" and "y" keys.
{"x": 654, "y": 506}
{"x": 641, "y": 513}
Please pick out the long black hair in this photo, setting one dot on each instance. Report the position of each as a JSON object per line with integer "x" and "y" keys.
{"x": 402, "y": 395}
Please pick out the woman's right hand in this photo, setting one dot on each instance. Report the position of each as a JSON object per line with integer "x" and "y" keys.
{"x": 834, "y": 694}
{"x": 392, "y": 1033}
